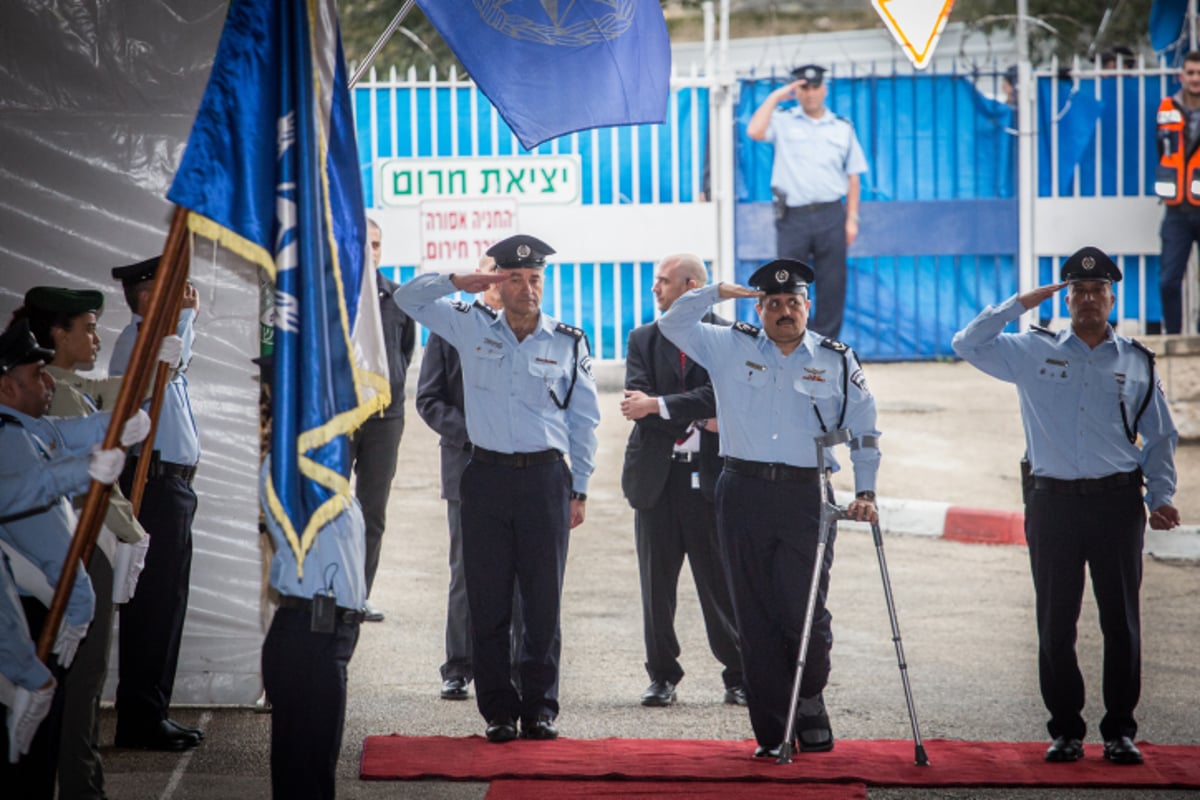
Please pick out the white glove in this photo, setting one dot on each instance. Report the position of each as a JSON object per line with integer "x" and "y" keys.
{"x": 136, "y": 428}
{"x": 106, "y": 465}
{"x": 171, "y": 351}
{"x": 67, "y": 643}
{"x": 26, "y": 713}
{"x": 131, "y": 558}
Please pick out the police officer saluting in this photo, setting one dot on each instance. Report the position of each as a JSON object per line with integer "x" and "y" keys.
{"x": 530, "y": 399}
{"x": 778, "y": 388}
{"x": 1086, "y": 394}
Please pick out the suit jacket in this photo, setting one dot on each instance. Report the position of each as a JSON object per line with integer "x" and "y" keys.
{"x": 440, "y": 404}
{"x": 652, "y": 366}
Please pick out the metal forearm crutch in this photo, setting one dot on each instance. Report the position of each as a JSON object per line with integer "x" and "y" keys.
{"x": 830, "y": 513}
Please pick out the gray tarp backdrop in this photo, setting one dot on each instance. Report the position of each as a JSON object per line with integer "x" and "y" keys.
{"x": 96, "y": 103}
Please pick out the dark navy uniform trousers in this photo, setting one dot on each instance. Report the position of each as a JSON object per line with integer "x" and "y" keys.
{"x": 816, "y": 235}
{"x": 304, "y": 674}
{"x": 769, "y": 532}
{"x": 1068, "y": 534}
{"x": 516, "y": 526}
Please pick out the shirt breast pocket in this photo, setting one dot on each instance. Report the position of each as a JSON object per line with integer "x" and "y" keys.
{"x": 544, "y": 378}
{"x": 752, "y": 377}
{"x": 488, "y": 371}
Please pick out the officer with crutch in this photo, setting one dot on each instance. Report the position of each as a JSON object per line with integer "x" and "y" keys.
{"x": 787, "y": 384}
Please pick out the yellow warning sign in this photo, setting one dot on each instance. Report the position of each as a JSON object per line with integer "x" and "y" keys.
{"x": 915, "y": 25}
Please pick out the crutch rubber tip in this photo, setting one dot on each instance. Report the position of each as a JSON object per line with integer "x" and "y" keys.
{"x": 922, "y": 759}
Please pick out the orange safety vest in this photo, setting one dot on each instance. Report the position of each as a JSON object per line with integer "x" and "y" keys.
{"x": 1177, "y": 179}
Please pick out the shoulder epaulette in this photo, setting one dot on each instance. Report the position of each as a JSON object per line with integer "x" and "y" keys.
{"x": 1149, "y": 353}
{"x": 835, "y": 345}
{"x": 746, "y": 328}
{"x": 573, "y": 332}
{"x": 846, "y": 120}
{"x": 461, "y": 305}
{"x": 1043, "y": 331}
{"x": 485, "y": 308}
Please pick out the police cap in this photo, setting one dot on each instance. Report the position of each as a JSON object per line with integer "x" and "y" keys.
{"x": 18, "y": 346}
{"x": 55, "y": 300}
{"x": 520, "y": 252}
{"x": 136, "y": 273}
{"x": 783, "y": 276}
{"x": 810, "y": 73}
{"x": 1090, "y": 264}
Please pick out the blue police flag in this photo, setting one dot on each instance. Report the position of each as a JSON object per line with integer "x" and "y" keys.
{"x": 271, "y": 172}
{"x": 551, "y": 68}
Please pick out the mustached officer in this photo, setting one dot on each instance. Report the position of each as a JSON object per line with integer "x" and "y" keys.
{"x": 530, "y": 403}
{"x": 778, "y": 387}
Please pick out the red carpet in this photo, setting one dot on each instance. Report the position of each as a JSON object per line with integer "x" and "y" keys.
{"x": 878, "y": 763}
{"x": 665, "y": 790}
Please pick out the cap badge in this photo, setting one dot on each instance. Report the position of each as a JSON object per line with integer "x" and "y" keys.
{"x": 1088, "y": 262}
{"x": 523, "y": 251}
{"x": 782, "y": 275}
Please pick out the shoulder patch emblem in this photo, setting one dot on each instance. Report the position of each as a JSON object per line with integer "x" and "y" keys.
{"x": 835, "y": 345}
{"x": 746, "y": 328}
{"x": 460, "y": 305}
{"x": 585, "y": 364}
{"x": 860, "y": 380}
{"x": 573, "y": 332}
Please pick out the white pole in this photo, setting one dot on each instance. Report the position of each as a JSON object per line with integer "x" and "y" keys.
{"x": 1191, "y": 24}
{"x": 721, "y": 152}
{"x": 1027, "y": 171}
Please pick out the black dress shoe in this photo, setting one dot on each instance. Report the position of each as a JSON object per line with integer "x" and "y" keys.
{"x": 371, "y": 613}
{"x": 542, "y": 728}
{"x": 163, "y": 736}
{"x": 1122, "y": 750}
{"x": 1064, "y": 749}
{"x": 735, "y": 696}
{"x": 199, "y": 734}
{"x": 501, "y": 730}
{"x": 659, "y": 694}
{"x": 455, "y": 689}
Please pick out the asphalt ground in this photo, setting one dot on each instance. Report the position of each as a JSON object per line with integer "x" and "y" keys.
{"x": 965, "y": 613}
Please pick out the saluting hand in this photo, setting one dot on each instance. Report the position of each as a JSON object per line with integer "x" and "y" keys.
{"x": 728, "y": 291}
{"x": 476, "y": 282}
{"x": 1035, "y": 297}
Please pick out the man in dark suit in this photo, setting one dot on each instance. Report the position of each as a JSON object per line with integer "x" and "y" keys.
{"x": 671, "y": 466}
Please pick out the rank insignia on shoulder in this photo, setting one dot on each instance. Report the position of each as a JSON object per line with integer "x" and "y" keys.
{"x": 573, "y": 332}
{"x": 746, "y": 328}
{"x": 460, "y": 305}
{"x": 835, "y": 345}
{"x": 1149, "y": 353}
{"x": 485, "y": 308}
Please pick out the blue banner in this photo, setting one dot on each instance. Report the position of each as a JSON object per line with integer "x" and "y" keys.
{"x": 271, "y": 171}
{"x": 555, "y": 68}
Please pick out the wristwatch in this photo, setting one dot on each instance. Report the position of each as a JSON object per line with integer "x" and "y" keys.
{"x": 578, "y": 496}
{"x": 867, "y": 495}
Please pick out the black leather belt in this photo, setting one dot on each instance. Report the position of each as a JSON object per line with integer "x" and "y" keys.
{"x": 350, "y": 616}
{"x": 166, "y": 469}
{"x": 685, "y": 456}
{"x": 1088, "y": 485}
{"x": 813, "y": 208}
{"x": 771, "y": 472}
{"x": 518, "y": 460}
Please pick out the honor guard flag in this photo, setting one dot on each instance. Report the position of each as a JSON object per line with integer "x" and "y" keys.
{"x": 552, "y": 67}
{"x": 271, "y": 172}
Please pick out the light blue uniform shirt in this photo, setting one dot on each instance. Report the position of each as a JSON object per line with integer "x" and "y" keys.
{"x": 335, "y": 562}
{"x": 176, "y": 437}
{"x": 813, "y": 157}
{"x": 771, "y": 406}
{"x": 44, "y": 537}
{"x": 507, "y": 384}
{"x": 18, "y": 654}
{"x": 1071, "y": 398}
